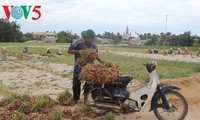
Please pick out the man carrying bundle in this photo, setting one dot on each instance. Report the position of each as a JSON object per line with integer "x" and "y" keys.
{"x": 76, "y": 47}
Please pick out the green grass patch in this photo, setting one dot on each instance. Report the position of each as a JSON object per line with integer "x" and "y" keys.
{"x": 129, "y": 65}
{"x": 40, "y": 49}
{"x": 41, "y": 102}
{"x": 13, "y": 44}
{"x": 65, "y": 58}
{"x": 166, "y": 69}
{"x": 10, "y": 97}
{"x": 142, "y": 48}
{"x": 86, "y": 111}
{"x": 57, "y": 115}
{"x": 3, "y": 89}
{"x": 109, "y": 116}
{"x": 64, "y": 97}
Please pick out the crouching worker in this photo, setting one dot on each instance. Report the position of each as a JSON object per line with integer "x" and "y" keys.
{"x": 198, "y": 54}
{"x": 25, "y": 50}
{"x": 4, "y": 50}
{"x": 149, "y": 51}
{"x": 4, "y": 53}
{"x": 59, "y": 52}
{"x": 48, "y": 52}
{"x": 76, "y": 47}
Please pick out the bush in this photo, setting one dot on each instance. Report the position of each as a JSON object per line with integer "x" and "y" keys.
{"x": 63, "y": 97}
{"x": 25, "y": 107}
{"x": 57, "y": 115}
{"x": 11, "y": 97}
{"x": 42, "y": 102}
{"x": 86, "y": 111}
{"x": 109, "y": 116}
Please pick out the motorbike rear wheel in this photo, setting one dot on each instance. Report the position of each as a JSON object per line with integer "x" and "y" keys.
{"x": 95, "y": 98}
{"x": 178, "y": 107}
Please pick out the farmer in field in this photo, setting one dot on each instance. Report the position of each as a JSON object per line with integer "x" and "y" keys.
{"x": 186, "y": 51}
{"x": 59, "y": 52}
{"x": 48, "y": 52}
{"x": 198, "y": 54}
{"x": 179, "y": 51}
{"x": 4, "y": 50}
{"x": 170, "y": 51}
{"x": 25, "y": 50}
{"x": 165, "y": 52}
{"x": 155, "y": 51}
{"x": 76, "y": 47}
{"x": 149, "y": 51}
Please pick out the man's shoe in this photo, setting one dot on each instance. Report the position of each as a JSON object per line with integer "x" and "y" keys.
{"x": 73, "y": 102}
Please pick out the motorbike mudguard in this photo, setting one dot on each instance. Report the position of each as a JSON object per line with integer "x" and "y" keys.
{"x": 86, "y": 88}
{"x": 160, "y": 93}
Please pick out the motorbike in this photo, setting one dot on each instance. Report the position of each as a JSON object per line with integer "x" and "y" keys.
{"x": 165, "y": 100}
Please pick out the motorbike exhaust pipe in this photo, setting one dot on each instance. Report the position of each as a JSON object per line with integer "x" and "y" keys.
{"x": 109, "y": 106}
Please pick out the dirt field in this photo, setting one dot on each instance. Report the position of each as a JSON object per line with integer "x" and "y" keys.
{"x": 46, "y": 78}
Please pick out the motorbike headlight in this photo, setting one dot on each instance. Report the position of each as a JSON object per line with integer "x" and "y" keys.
{"x": 151, "y": 66}
{"x": 154, "y": 64}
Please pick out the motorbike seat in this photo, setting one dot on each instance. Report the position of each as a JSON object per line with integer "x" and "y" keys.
{"x": 123, "y": 80}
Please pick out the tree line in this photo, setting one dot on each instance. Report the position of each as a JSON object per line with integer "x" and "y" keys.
{"x": 185, "y": 39}
{"x": 10, "y": 32}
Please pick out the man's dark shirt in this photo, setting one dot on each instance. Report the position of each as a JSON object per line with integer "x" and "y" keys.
{"x": 79, "y": 44}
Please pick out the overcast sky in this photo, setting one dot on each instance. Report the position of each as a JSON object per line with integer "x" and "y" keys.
{"x": 141, "y": 16}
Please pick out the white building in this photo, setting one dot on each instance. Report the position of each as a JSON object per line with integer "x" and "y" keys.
{"x": 137, "y": 41}
{"x": 46, "y": 36}
{"x": 105, "y": 40}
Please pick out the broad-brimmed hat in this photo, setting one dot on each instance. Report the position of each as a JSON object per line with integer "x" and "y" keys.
{"x": 88, "y": 34}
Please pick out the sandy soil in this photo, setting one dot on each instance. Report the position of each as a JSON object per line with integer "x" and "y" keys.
{"x": 46, "y": 78}
{"x": 35, "y": 78}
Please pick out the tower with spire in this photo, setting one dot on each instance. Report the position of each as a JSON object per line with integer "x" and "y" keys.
{"x": 126, "y": 34}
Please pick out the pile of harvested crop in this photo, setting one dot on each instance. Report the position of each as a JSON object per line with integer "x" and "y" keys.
{"x": 87, "y": 56}
{"x": 96, "y": 73}
{"x": 100, "y": 73}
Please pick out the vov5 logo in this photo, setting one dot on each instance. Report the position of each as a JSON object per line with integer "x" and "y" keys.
{"x": 18, "y": 11}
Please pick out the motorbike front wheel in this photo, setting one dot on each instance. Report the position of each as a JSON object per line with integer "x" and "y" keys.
{"x": 178, "y": 107}
{"x": 96, "y": 99}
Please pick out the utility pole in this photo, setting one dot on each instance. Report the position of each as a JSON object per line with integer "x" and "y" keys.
{"x": 166, "y": 24}
{"x": 166, "y": 31}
